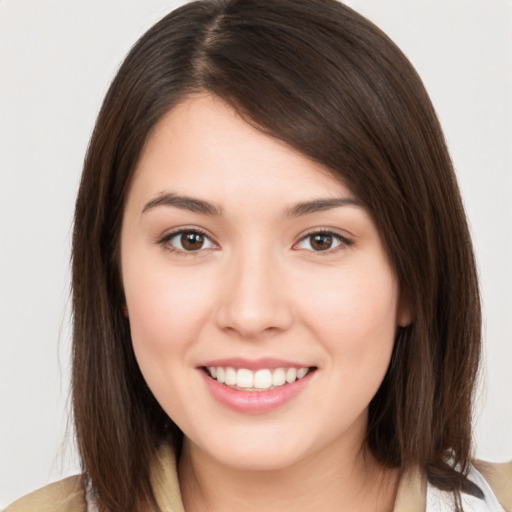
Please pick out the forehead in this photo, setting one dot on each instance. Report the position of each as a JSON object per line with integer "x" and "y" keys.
{"x": 203, "y": 147}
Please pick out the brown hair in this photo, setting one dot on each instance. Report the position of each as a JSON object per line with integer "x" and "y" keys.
{"x": 320, "y": 77}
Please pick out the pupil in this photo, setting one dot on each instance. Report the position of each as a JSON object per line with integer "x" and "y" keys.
{"x": 192, "y": 241}
{"x": 321, "y": 242}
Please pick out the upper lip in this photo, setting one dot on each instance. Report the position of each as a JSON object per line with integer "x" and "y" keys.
{"x": 254, "y": 364}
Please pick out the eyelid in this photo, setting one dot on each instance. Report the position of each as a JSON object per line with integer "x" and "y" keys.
{"x": 344, "y": 240}
{"x": 164, "y": 240}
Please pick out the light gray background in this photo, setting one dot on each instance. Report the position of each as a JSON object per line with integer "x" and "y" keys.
{"x": 56, "y": 61}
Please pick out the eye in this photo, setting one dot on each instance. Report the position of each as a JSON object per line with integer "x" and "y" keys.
{"x": 322, "y": 241}
{"x": 187, "y": 240}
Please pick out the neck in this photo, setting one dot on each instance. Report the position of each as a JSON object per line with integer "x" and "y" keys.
{"x": 330, "y": 481}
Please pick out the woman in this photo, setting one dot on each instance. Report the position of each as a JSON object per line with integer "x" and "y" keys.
{"x": 275, "y": 298}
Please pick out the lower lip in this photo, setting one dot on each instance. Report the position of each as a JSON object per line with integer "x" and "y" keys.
{"x": 255, "y": 401}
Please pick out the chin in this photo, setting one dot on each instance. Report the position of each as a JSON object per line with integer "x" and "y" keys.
{"x": 260, "y": 460}
{"x": 251, "y": 451}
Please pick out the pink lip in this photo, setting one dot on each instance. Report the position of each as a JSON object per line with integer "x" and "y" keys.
{"x": 254, "y": 402}
{"x": 254, "y": 364}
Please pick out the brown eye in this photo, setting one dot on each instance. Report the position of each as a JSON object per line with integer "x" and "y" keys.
{"x": 187, "y": 241}
{"x": 321, "y": 241}
{"x": 191, "y": 240}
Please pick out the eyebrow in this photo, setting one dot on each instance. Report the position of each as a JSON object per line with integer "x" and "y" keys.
{"x": 206, "y": 208}
{"x": 185, "y": 203}
{"x": 319, "y": 205}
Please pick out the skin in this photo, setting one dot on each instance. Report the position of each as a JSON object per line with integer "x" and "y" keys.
{"x": 258, "y": 288}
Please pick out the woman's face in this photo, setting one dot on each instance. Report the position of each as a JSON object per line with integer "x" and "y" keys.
{"x": 245, "y": 261}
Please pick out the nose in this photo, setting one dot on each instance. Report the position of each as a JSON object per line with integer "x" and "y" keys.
{"x": 253, "y": 297}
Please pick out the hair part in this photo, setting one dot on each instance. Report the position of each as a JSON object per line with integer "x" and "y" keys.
{"x": 324, "y": 80}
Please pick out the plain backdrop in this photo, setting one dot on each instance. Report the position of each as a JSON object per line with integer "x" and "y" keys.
{"x": 56, "y": 61}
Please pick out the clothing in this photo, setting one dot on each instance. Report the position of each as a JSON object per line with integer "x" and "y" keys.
{"x": 414, "y": 494}
{"x": 442, "y": 501}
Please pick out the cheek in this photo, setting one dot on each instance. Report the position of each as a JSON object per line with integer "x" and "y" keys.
{"x": 354, "y": 314}
{"x": 166, "y": 312}
{"x": 165, "y": 308}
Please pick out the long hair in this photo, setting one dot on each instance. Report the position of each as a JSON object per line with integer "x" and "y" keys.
{"x": 323, "y": 79}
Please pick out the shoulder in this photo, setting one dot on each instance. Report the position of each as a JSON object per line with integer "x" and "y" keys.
{"x": 499, "y": 478}
{"x": 66, "y": 495}
{"x": 493, "y": 480}
{"x": 415, "y": 494}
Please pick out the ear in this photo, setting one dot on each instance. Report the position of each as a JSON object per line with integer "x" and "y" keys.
{"x": 125, "y": 310}
{"x": 404, "y": 314}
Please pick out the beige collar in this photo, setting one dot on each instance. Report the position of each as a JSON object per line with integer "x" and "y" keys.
{"x": 412, "y": 493}
{"x": 410, "y": 497}
{"x": 164, "y": 480}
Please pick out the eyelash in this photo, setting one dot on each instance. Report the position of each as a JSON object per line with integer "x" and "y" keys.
{"x": 344, "y": 242}
{"x": 165, "y": 241}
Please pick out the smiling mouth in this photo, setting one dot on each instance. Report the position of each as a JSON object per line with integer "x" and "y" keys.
{"x": 265, "y": 379}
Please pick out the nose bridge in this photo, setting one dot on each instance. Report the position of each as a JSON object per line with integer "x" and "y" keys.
{"x": 254, "y": 298}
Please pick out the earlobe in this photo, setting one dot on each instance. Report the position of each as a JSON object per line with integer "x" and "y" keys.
{"x": 404, "y": 320}
{"x": 404, "y": 315}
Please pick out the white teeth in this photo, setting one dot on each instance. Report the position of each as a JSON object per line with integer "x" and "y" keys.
{"x": 291, "y": 375}
{"x": 301, "y": 372}
{"x": 263, "y": 379}
{"x": 244, "y": 378}
{"x": 260, "y": 380}
{"x": 230, "y": 377}
{"x": 278, "y": 377}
